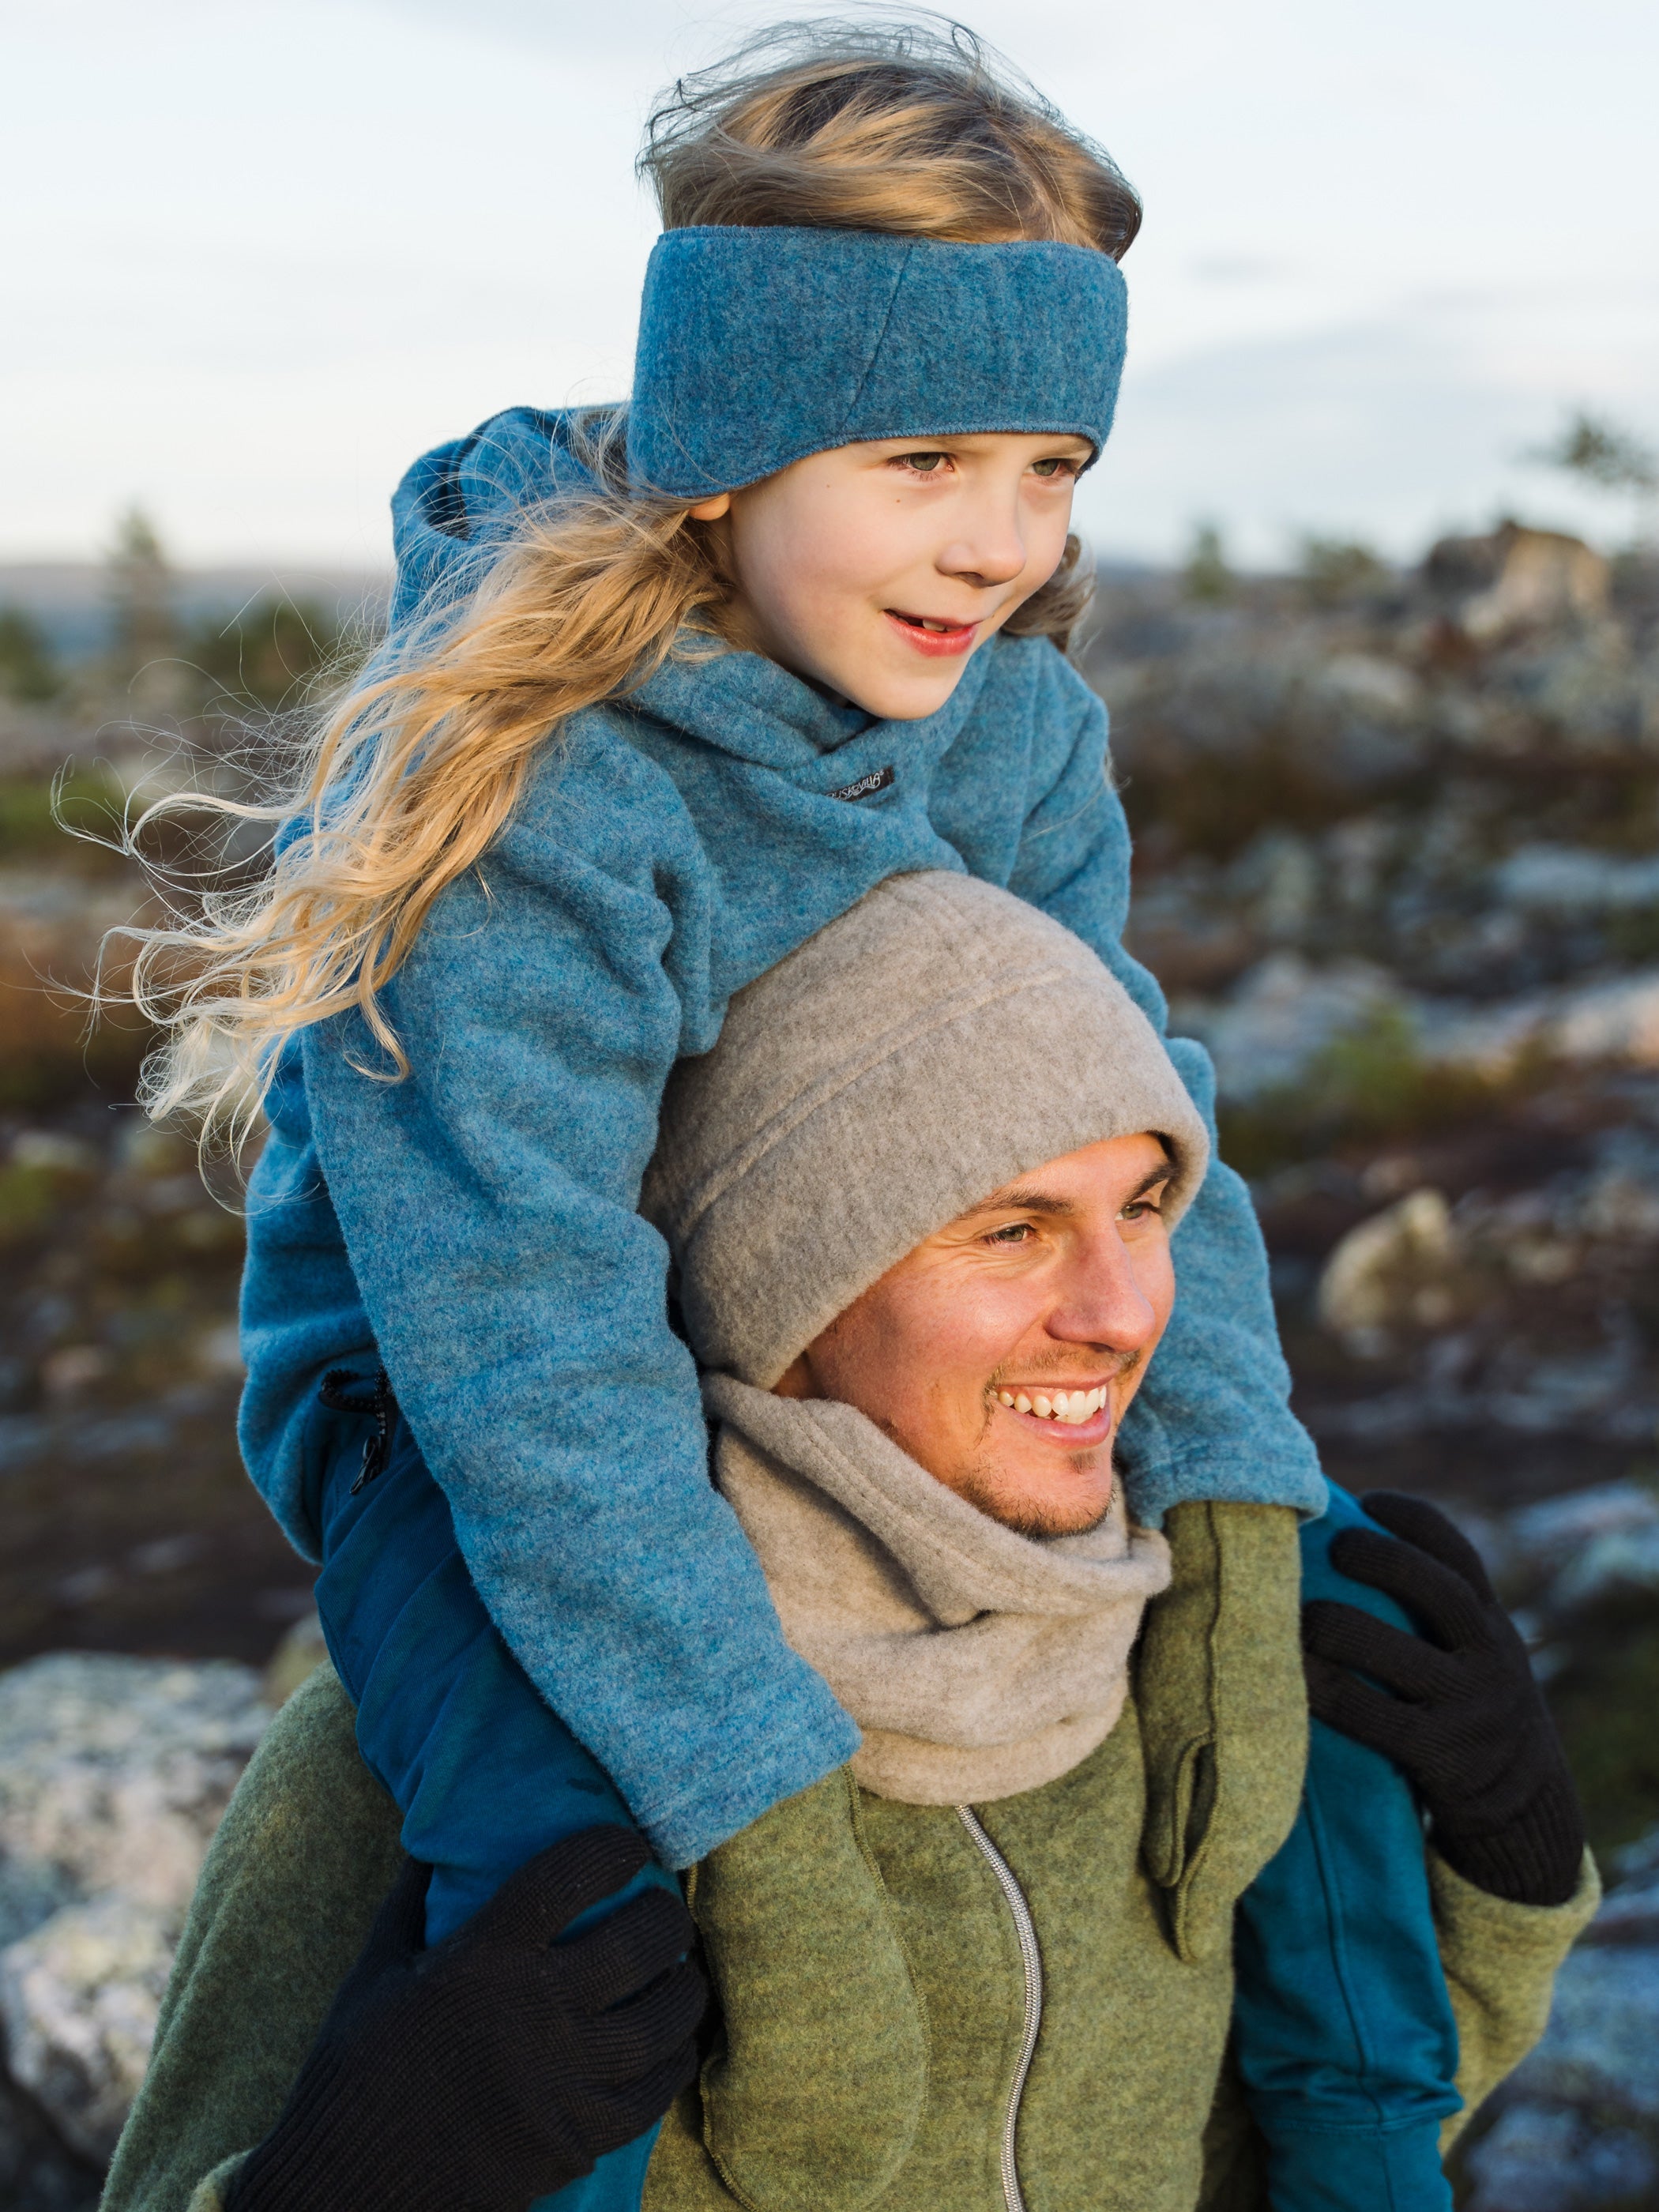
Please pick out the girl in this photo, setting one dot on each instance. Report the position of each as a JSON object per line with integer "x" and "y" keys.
{"x": 668, "y": 688}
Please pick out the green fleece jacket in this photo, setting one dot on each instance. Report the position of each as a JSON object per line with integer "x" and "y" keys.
{"x": 877, "y": 2004}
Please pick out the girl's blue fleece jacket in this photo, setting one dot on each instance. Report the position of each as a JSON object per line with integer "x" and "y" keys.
{"x": 473, "y": 1226}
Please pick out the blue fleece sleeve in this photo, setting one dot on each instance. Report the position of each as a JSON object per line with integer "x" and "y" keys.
{"x": 519, "y": 1303}
{"x": 1213, "y": 1419}
{"x": 1345, "y": 2037}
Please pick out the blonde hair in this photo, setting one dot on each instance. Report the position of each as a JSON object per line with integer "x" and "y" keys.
{"x": 415, "y": 768}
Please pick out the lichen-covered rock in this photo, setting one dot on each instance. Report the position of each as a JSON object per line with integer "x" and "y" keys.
{"x": 79, "y": 1999}
{"x": 113, "y": 1773}
{"x": 1385, "y": 1270}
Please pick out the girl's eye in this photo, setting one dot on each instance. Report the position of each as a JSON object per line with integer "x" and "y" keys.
{"x": 924, "y": 465}
{"x": 1050, "y": 469}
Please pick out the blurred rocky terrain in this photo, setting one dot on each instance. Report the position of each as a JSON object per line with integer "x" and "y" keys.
{"x": 1397, "y": 862}
{"x": 125, "y": 1522}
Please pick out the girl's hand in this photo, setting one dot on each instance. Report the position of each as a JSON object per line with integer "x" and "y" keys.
{"x": 1467, "y": 1721}
{"x": 499, "y": 2065}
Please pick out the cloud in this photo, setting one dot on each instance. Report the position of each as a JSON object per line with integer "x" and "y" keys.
{"x": 1392, "y": 430}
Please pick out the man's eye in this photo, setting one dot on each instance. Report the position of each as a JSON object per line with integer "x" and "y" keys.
{"x": 924, "y": 465}
{"x": 1152, "y": 1203}
{"x": 1017, "y": 1232}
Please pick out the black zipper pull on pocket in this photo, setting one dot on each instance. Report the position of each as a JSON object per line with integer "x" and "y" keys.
{"x": 375, "y": 1447}
{"x": 373, "y": 1461}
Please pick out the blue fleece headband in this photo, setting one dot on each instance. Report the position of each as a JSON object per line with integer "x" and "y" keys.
{"x": 758, "y": 346}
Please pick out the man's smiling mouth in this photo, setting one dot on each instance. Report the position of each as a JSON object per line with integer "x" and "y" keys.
{"x": 1071, "y": 1408}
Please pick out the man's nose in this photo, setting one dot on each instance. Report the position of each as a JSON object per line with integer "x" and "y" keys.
{"x": 1101, "y": 1301}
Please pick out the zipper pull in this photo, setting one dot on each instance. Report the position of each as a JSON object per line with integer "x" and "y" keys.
{"x": 373, "y": 1461}
{"x": 375, "y": 1447}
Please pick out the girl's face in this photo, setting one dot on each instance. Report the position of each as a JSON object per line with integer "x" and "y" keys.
{"x": 876, "y": 569}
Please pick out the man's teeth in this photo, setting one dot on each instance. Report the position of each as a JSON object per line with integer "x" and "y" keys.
{"x": 1072, "y": 1406}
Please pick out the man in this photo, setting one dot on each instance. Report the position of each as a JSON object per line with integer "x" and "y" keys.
{"x": 919, "y": 1202}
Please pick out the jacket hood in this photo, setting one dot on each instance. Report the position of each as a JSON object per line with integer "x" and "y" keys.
{"x": 457, "y": 504}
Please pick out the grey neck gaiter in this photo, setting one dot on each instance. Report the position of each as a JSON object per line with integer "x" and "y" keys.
{"x": 978, "y": 1663}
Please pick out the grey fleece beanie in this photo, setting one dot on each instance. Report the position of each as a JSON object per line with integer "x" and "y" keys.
{"x": 936, "y": 1041}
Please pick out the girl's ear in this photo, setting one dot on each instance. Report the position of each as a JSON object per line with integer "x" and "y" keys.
{"x": 710, "y": 510}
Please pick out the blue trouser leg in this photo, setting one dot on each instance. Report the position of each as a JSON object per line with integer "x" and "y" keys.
{"x": 1343, "y": 2027}
{"x": 485, "y": 1775}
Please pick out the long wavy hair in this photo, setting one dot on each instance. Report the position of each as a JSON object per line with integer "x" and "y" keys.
{"x": 412, "y": 769}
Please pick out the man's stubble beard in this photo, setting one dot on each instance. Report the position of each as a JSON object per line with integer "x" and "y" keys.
{"x": 981, "y": 1484}
{"x": 978, "y": 1480}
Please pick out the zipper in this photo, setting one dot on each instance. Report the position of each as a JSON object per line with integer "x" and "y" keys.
{"x": 1031, "y": 1959}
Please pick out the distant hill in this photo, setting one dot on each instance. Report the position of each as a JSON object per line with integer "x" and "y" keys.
{"x": 70, "y": 599}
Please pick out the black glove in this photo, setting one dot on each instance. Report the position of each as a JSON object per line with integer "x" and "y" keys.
{"x": 497, "y": 2066}
{"x": 1468, "y": 1724}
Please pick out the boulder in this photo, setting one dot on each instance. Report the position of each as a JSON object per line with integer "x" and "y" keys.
{"x": 1285, "y": 1014}
{"x": 113, "y": 1773}
{"x": 79, "y": 1999}
{"x": 1554, "y": 1540}
{"x": 1282, "y": 1016}
{"x": 1617, "y": 1021}
{"x": 1589, "y": 1025}
{"x": 1389, "y": 1269}
{"x": 1618, "y": 1563}
{"x": 1569, "y": 881}
{"x": 1515, "y": 578}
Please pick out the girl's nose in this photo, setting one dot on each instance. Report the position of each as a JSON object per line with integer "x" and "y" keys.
{"x": 992, "y": 550}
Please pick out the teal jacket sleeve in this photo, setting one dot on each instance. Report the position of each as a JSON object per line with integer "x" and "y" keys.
{"x": 1344, "y": 2032}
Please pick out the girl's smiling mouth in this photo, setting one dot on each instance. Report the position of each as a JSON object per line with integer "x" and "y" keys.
{"x": 931, "y": 635}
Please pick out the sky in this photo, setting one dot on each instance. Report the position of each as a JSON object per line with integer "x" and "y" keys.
{"x": 260, "y": 253}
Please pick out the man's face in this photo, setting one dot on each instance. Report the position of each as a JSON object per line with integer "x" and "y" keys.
{"x": 878, "y": 569}
{"x": 1001, "y": 1353}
